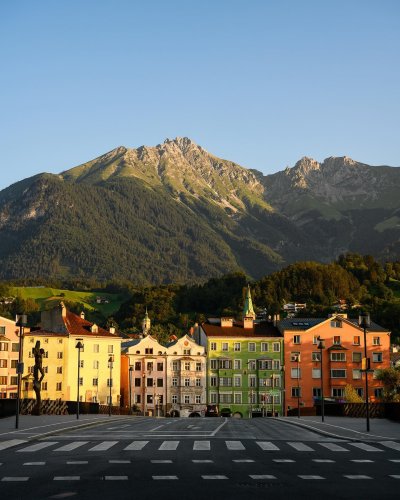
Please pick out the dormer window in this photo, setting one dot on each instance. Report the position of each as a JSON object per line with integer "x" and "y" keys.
{"x": 335, "y": 323}
{"x": 94, "y": 328}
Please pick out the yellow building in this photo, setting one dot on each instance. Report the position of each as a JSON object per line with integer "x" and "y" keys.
{"x": 9, "y": 348}
{"x": 99, "y": 358}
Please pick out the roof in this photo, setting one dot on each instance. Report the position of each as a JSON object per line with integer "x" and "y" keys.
{"x": 130, "y": 343}
{"x": 78, "y": 326}
{"x": 307, "y": 323}
{"x": 264, "y": 329}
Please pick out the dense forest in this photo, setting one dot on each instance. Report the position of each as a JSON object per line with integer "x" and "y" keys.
{"x": 360, "y": 281}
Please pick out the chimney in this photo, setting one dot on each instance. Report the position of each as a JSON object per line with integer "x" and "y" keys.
{"x": 248, "y": 322}
{"x": 226, "y": 322}
{"x": 82, "y": 315}
{"x": 112, "y": 330}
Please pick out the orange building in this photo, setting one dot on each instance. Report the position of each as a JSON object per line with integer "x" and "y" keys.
{"x": 341, "y": 358}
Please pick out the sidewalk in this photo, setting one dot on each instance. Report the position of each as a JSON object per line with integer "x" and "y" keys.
{"x": 354, "y": 429}
{"x": 33, "y": 427}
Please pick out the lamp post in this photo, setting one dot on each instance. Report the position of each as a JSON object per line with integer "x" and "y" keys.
{"x": 364, "y": 322}
{"x": 130, "y": 389}
{"x": 321, "y": 346}
{"x": 78, "y": 346}
{"x": 272, "y": 394}
{"x": 110, "y": 363}
{"x": 21, "y": 322}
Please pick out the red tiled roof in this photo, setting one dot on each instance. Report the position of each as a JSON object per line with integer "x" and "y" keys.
{"x": 258, "y": 330}
{"x": 78, "y": 326}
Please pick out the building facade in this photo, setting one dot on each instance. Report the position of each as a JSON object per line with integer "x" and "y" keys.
{"x": 9, "y": 351}
{"x": 341, "y": 358}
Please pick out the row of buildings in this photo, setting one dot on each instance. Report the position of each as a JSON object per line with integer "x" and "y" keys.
{"x": 244, "y": 368}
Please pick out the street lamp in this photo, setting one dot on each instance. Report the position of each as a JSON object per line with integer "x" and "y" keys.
{"x": 21, "y": 322}
{"x": 321, "y": 345}
{"x": 110, "y": 363}
{"x": 130, "y": 389}
{"x": 364, "y": 322}
{"x": 78, "y": 346}
{"x": 272, "y": 394}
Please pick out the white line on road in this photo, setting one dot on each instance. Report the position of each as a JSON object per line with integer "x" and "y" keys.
{"x": 155, "y": 428}
{"x": 169, "y": 445}
{"x": 136, "y": 445}
{"x": 391, "y": 444}
{"x": 161, "y": 461}
{"x": 283, "y": 460}
{"x": 71, "y": 446}
{"x": 395, "y": 476}
{"x": 262, "y": 476}
{"x": 115, "y": 478}
{"x": 219, "y": 427}
{"x": 323, "y": 461}
{"x": 12, "y": 442}
{"x": 156, "y": 478}
{"x": 37, "y": 447}
{"x": 243, "y": 460}
{"x": 365, "y": 447}
{"x": 203, "y": 461}
{"x": 201, "y": 445}
{"x": 66, "y": 478}
{"x": 362, "y": 461}
{"x": 105, "y": 445}
{"x": 267, "y": 446}
{"x": 119, "y": 461}
{"x": 310, "y": 477}
{"x": 234, "y": 445}
{"x": 214, "y": 476}
{"x": 333, "y": 447}
{"x": 359, "y": 476}
{"x": 20, "y": 478}
{"x": 78, "y": 462}
{"x": 299, "y": 446}
{"x": 34, "y": 463}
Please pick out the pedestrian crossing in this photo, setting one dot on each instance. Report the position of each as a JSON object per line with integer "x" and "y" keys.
{"x": 23, "y": 446}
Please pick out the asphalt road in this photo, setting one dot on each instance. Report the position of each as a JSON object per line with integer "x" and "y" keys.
{"x": 197, "y": 459}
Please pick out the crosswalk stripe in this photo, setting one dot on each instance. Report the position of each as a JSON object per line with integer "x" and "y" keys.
{"x": 115, "y": 478}
{"x": 37, "y": 446}
{"x": 169, "y": 445}
{"x": 391, "y": 444}
{"x": 261, "y": 476}
{"x": 17, "y": 478}
{"x": 136, "y": 445}
{"x": 78, "y": 462}
{"x": 66, "y": 478}
{"x": 71, "y": 446}
{"x": 234, "y": 445}
{"x": 299, "y": 446}
{"x": 156, "y": 478}
{"x": 201, "y": 445}
{"x": 365, "y": 447}
{"x": 310, "y": 477}
{"x": 267, "y": 446}
{"x": 394, "y": 476}
{"x": 214, "y": 476}
{"x": 34, "y": 463}
{"x": 359, "y": 476}
{"x": 333, "y": 446}
{"x": 105, "y": 445}
{"x": 12, "y": 442}
{"x": 323, "y": 461}
{"x": 357, "y": 461}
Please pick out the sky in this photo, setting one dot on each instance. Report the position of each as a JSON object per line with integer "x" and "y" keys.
{"x": 259, "y": 82}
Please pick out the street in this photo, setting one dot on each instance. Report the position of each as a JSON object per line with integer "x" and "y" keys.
{"x": 196, "y": 458}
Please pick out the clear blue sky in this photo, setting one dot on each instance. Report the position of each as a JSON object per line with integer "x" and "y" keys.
{"x": 259, "y": 82}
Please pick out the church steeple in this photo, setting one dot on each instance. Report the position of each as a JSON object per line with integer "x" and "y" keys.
{"x": 248, "y": 310}
{"x": 146, "y": 324}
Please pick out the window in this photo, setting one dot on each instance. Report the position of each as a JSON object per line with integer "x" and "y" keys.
{"x": 96, "y": 365}
{"x": 138, "y": 365}
{"x": 237, "y": 364}
{"x": 81, "y": 363}
{"x": 237, "y": 381}
{"x": 357, "y": 356}
{"x": 377, "y": 357}
{"x": 3, "y": 346}
{"x": 295, "y": 372}
{"x": 174, "y": 382}
{"x": 15, "y": 347}
{"x": 186, "y": 399}
{"x": 265, "y": 364}
{"x": 225, "y": 381}
{"x": 59, "y": 355}
{"x": 338, "y": 356}
{"x": 356, "y": 340}
{"x": 316, "y": 373}
{"x": 296, "y": 339}
{"x": 13, "y": 380}
{"x": 44, "y": 386}
{"x": 316, "y": 356}
{"x": 213, "y": 346}
{"x": 187, "y": 382}
{"x": 95, "y": 381}
{"x": 149, "y": 382}
{"x": 338, "y": 373}
{"x": 149, "y": 399}
{"x": 252, "y": 381}
{"x": 174, "y": 399}
{"x": 198, "y": 382}
{"x": 295, "y": 356}
{"x": 96, "y": 348}
{"x": 264, "y": 347}
{"x": 337, "y": 392}
{"x": 252, "y": 347}
{"x": 360, "y": 391}
{"x": 60, "y": 341}
{"x": 335, "y": 323}
{"x": 137, "y": 382}
{"x": 110, "y": 349}
{"x": 175, "y": 366}
{"x": 46, "y": 369}
{"x": 160, "y": 382}
{"x": 213, "y": 381}
{"x": 186, "y": 352}
{"x": 296, "y": 392}
{"x": 252, "y": 397}
{"x": 315, "y": 339}
{"x": 213, "y": 398}
{"x": 316, "y": 392}
{"x": 378, "y": 392}
{"x": 225, "y": 364}
{"x": 237, "y": 346}
{"x": 198, "y": 399}
{"x": 225, "y": 398}
{"x": 138, "y": 398}
{"x": 224, "y": 346}
{"x": 356, "y": 374}
{"x": 160, "y": 367}
{"x": 198, "y": 366}
{"x": 251, "y": 364}
{"x": 214, "y": 364}
{"x": 14, "y": 363}
{"x": 237, "y": 398}
{"x": 109, "y": 382}
{"x": 187, "y": 366}
{"x": 59, "y": 369}
{"x": 376, "y": 341}
{"x": 276, "y": 364}
{"x": 276, "y": 346}
{"x": 149, "y": 366}
{"x": 3, "y": 363}
{"x": 2, "y": 330}
{"x": 336, "y": 339}
{"x": 148, "y": 350}
{"x": 59, "y": 386}
{"x": 3, "y": 380}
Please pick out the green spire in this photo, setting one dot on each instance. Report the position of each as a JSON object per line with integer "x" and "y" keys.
{"x": 146, "y": 324}
{"x": 248, "y": 310}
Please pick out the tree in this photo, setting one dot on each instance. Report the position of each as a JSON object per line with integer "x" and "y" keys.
{"x": 351, "y": 395}
{"x": 391, "y": 382}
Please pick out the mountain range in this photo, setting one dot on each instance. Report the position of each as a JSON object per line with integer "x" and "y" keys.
{"x": 176, "y": 213}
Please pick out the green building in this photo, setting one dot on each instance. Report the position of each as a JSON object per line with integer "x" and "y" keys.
{"x": 244, "y": 365}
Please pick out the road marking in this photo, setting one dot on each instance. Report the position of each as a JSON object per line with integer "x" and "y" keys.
{"x": 71, "y": 446}
{"x": 161, "y": 461}
{"x": 105, "y": 445}
{"x": 169, "y": 445}
{"x": 243, "y": 460}
{"x": 201, "y": 445}
{"x": 261, "y": 476}
{"x": 12, "y": 442}
{"x": 363, "y": 461}
{"x": 136, "y": 445}
{"x": 395, "y": 460}
{"x": 323, "y": 460}
{"x": 267, "y": 446}
{"x": 37, "y": 447}
{"x": 203, "y": 461}
{"x": 20, "y": 478}
{"x": 365, "y": 447}
{"x": 119, "y": 461}
{"x": 333, "y": 446}
{"x": 66, "y": 478}
{"x": 394, "y": 476}
{"x": 310, "y": 477}
{"x": 391, "y": 444}
{"x": 283, "y": 460}
{"x": 234, "y": 445}
{"x": 214, "y": 476}
{"x": 155, "y": 428}
{"x": 219, "y": 427}
{"x": 157, "y": 478}
{"x": 360, "y": 476}
{"x": 34, "y": 463}
{"x": 299, "y": 446}
{"x": 115, "y": 478}
{"x": 119, "y": 427}
{"x": 78, "y": 462}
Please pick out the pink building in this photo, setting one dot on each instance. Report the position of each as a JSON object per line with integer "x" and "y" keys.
{"x": 9, "y": 347}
